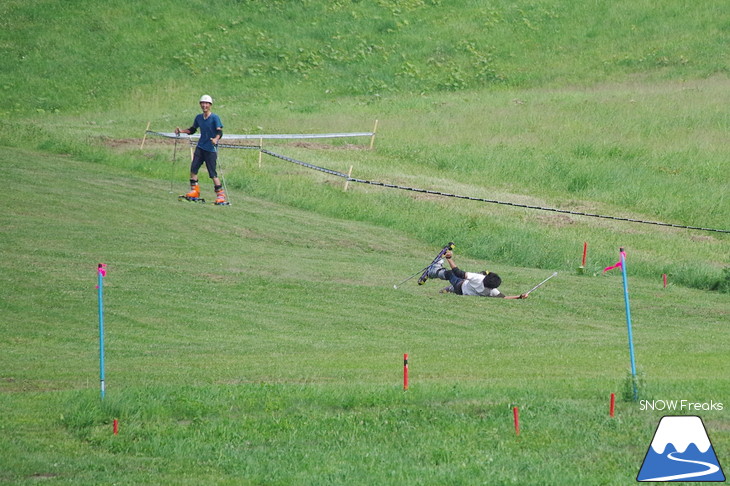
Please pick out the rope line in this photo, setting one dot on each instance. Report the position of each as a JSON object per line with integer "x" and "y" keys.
{"x": 305, "y": 164}
{"x": 491, "y": 201}
{"x": 228, "y": 145}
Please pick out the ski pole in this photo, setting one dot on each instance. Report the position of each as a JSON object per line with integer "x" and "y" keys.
{"x": 541, "y": 283}
{"x": 443, "y": 251}
{"x": 223, "y": 179}
{"x": 412, "y": 276}
{"x": 174, "y": 159}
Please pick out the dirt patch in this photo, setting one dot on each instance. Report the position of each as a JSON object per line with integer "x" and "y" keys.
{"x": 133, "y": 142}
{"x": 555, "y": 220}
{"x": 43, "y": 475}
{"x": 702, "y": 238}
{"x": 424, "y": 196}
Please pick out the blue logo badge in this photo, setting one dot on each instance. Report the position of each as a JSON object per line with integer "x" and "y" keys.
{"x": 681, "y": 451}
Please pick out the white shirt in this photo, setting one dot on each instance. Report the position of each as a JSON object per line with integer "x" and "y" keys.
{"x": 474, "y": 285}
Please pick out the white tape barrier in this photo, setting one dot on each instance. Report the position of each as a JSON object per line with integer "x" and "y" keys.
{"x": 267, "y": 136}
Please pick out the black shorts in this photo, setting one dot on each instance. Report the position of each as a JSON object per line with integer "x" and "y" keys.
{"x": 203, "y": 156}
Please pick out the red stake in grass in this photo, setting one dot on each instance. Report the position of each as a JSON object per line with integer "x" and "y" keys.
{"x": 612, "y": 407}
{"x": 664, "y": 277}
{"x": 405, "y": 372}
{"x": 116, "y": 426}
{"x": 516, "y": 414}
{"x": 582, "y": 268}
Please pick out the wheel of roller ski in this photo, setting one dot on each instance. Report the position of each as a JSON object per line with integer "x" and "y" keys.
{"x": 191, "y": 199}
{"x": 424, "y": 276}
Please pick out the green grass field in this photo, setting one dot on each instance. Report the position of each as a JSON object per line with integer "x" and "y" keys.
{"x": 263, "y": 343}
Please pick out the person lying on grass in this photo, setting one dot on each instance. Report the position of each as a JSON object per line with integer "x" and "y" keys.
{"x": 482, "y": 284}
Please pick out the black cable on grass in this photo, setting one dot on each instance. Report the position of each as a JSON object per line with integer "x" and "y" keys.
{"x": 227, "y": 145}
{"x": 492, "y": 201}
{"x": 308, "y": 166}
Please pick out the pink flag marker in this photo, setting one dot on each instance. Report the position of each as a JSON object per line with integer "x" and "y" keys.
{"x": 618, "y": 264}
{"x": 405, "y": 372}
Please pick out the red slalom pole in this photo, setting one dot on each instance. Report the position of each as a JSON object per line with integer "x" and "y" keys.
{"x": 516, "y": 414}
{"x": 612, "y": 407}
{"x": 664, "y": 277}
{"x": 405, "y": 372}
{"x": 116, "y": 426}
{"x": 582, "y": 268}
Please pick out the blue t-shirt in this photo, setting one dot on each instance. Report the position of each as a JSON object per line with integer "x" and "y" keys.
{"x": 208, "y": 130}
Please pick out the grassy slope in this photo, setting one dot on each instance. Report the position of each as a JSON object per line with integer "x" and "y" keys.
{"x": 216, "y": 379}
{"x": 539, "y": 103}
{"x": 588, "y": 150}
{"x": 236, "y": 334}
{"x": 313, "y": 50}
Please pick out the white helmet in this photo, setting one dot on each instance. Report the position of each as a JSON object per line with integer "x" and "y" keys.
{"x": 206, "y": 99}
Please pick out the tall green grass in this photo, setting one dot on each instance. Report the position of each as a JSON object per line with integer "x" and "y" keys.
{"x": 249, "y": 50}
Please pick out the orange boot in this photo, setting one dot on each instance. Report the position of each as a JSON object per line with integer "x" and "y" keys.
{"x": 220, "y": 198}
{"x": 194, "y": 194}
{"x": 194, "y": 191}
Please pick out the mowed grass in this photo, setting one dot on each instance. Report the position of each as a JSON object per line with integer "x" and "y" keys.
{"x": 261, "y": 344}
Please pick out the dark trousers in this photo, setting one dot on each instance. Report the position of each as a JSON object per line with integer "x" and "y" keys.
{"x": 454, "y": 279}
{"x": 203, "y": 156}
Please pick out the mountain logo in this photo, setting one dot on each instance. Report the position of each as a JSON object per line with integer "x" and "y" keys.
{"x": 681, "y": 451}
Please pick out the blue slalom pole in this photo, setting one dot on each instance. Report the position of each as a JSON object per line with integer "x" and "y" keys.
{"x": 100, "y": 287}
{"x": 628, "y": 324}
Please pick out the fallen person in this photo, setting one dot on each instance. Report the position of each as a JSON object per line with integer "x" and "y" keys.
{"x": 482, "y": 284}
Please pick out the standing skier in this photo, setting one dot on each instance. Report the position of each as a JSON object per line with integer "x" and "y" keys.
{"x": 482, "y": 284}
{"x": 211, "y": 131}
